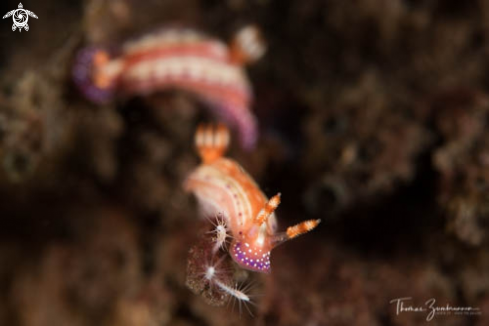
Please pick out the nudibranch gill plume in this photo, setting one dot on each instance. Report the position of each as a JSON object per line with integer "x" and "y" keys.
{"x": 182, "y": 59}
{"x": 222, "y": 186}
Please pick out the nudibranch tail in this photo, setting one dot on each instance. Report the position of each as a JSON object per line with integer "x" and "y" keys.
{"x": 241, "y": 119}
{"x": 294, "y": 231}
{"x": 211, "y": 142}
{"x": 248, "y": 45}
{"x": 248, "y": 130}
{"x": 94, "y": 74}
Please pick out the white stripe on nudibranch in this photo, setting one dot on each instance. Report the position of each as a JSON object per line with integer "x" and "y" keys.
{"x": 228, "y": 188}
{"x": 174, "y": 37}
{"x": 193, "y": 68}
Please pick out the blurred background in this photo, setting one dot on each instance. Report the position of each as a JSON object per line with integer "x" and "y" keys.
{"x": 372, "y": 117}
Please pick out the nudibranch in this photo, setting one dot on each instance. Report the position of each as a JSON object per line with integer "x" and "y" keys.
{"x": 182, "y": 59}
{"x": 222, "y": 186}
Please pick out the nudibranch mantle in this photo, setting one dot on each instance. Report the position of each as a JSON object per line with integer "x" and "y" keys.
{"x": 223, "y": 187}
{"x": 183, "y": 59}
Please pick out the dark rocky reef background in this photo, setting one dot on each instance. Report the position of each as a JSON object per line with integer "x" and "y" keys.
{"x": 373, "y": 117}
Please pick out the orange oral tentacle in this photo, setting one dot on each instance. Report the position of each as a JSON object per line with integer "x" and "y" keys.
{"x": 301, "y": 228}
{"x": 268, "y": 210}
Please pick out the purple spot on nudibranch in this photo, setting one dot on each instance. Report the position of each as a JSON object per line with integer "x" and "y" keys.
{"x": 82, "y": 76}
{"x": 251, "y": 258}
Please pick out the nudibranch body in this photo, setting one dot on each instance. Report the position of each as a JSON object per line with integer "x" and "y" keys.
{"x": 223, "y": 187}
{"x": 183, "y": 59}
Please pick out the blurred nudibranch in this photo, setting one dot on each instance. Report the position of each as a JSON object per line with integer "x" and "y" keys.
{"x": 182, "y": 59}
{"x": 222, "y": 186}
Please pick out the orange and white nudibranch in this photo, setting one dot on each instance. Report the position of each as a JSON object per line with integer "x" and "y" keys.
{"x": 223, "y": 187}
{"x": 182, "y": 59}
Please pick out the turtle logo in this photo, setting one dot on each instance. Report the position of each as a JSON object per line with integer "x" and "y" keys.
{"x": 20, "y": 16}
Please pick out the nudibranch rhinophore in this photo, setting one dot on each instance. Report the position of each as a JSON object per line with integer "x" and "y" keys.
{"x": 182, "y": 59}
{"x": 223, "y": 187}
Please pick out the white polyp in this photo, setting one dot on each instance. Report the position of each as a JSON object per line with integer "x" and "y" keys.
{"x": 240, "y": 295}
{"x": 210, "y": 276}
{"x": 221, "y": 231}
{"x": 221, "y": 234}
{"x": 210, "y": 272}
